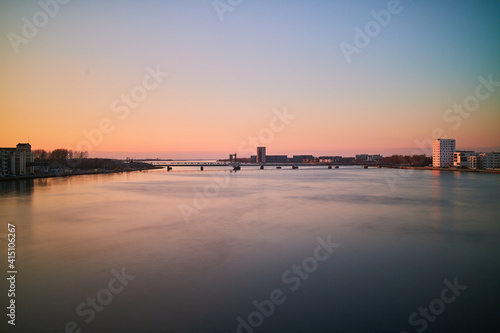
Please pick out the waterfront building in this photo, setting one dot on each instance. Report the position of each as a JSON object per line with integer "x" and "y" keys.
{"x": 330, "y": 159}
{"x": 461, "y": 158}
{"x": 17, "y": 161}
{"x": 474, "y": 162}
{"x": 485, "y": 161}
{"x": 5, "y": 163}
{"x": 302, "y": 158}
{"x": 368, "y": 158}
{"x": 261, "y": 154}
{"x": 276, "y": 159}
{"x": 442, "y": 152}
{"x": 362, "y": 157}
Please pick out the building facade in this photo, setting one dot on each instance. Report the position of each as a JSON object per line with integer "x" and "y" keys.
{"x": 442, "y": 152}
{"x": 303, "y": 158}
{"x": 330, "y": 159}
{"x": 368, "y": 158}
{"x": 461, "y": 158}
{"x": 16, "y": 161}
{"x": 486, "y": 161}
{"x": 261, "y": 154}
{"x": 276, "y": 159}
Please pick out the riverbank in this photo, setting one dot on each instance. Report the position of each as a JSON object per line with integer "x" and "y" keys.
{"x": 445, "y": 169}
{"x": 76, "y": 173}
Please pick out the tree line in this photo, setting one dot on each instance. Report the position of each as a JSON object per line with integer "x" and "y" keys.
{"x": 414, "y": 160}
{"x": 58, "y": 154}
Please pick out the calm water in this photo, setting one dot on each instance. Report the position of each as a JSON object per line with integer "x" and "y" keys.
{"x": 202, "y": 271}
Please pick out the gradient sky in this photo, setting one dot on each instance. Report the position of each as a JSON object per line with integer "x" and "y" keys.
{"x": 226, "y": 77}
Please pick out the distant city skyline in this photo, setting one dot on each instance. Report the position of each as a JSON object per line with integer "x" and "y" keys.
{"x": 175, "y": 80}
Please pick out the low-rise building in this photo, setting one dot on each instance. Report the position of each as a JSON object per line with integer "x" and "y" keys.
{"x": 276, "y": 159}
{"x": 488, "y": 160}
{"x": 461, "y": 158}
{"x": 302, "y": 158}
{"x": 330, "y": 159}
{"x": 368, "y": 158}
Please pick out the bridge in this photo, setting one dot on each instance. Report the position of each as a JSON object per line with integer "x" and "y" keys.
{"x": 237, "y": 165}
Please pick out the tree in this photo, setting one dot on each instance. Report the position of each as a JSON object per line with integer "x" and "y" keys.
{"x": 59, "y": 154}
{"x": 40, "y": 154}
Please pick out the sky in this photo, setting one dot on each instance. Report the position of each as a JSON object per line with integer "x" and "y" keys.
{"x": 203, "y": 79}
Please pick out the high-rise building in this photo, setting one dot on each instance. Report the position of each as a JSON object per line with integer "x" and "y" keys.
{"x": 442, "y": 152}
{"x": 261, "y": 154}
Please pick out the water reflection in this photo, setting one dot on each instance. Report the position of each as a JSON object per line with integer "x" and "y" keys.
{"x": 198, "y": 277}
{"x": 17, "y": 187}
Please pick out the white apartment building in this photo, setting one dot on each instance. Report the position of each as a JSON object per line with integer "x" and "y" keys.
{"x": 485, "y": 161}
{"x": 442, "y": 152}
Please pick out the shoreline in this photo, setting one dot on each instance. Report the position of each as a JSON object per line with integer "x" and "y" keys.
{"x": 493, "y": 171}
{"x": 81, "y": 173}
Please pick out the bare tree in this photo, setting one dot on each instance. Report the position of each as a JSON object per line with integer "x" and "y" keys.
{"x": 59, "y": 154}
{"x": 40, "y": 154}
